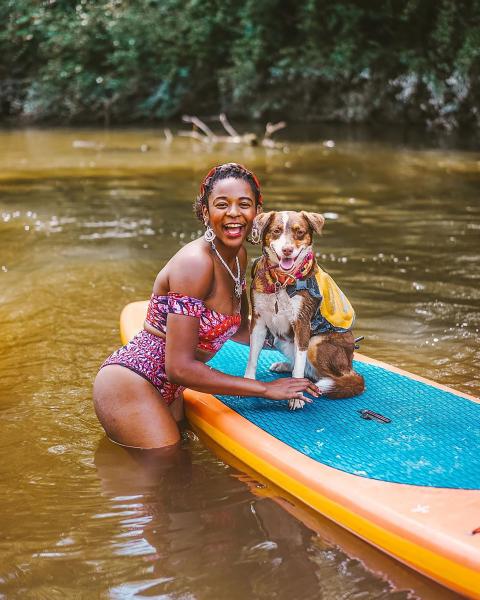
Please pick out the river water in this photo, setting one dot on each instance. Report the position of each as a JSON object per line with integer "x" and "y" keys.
{"x": 87, "y": 219}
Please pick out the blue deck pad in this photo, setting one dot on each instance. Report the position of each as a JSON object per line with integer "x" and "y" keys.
{"x": 433, "y": 438}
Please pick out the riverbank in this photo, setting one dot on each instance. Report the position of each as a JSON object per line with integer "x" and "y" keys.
{"x": 336, "y": 61}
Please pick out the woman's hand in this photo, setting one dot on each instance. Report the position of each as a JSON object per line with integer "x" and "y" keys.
{"x": 289, "y": 388}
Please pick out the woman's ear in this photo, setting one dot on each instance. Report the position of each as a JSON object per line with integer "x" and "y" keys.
{"x": 262, "y": 220}
{"x": 315, "y": 220}
{"x": 205, "y": 214}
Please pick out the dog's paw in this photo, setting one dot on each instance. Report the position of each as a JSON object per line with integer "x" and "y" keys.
{"x": 281, "y": 367}
{"x": 295, "y": 403}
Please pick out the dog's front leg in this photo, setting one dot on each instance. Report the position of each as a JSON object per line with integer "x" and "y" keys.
{"x": 300, "y": 361}
{"x": 257, "y": 339}
{"x": 301, "y": 339}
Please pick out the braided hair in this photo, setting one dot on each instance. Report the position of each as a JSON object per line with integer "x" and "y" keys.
{"x": 234, "y": 170}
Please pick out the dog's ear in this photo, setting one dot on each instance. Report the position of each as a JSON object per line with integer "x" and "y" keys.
{"x": 262, "y": 220}
{"x": 315, "y": 220}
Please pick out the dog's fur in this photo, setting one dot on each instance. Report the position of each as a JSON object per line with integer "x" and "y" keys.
{"x": 324, "y": 358}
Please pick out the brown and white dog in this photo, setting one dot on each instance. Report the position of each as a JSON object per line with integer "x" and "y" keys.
{"x": 302, "y": 307}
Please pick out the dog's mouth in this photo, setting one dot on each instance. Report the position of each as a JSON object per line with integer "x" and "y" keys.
{"x": 286, "y": 263}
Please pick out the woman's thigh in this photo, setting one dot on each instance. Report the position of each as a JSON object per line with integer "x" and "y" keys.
{"x": 131, "y": 410}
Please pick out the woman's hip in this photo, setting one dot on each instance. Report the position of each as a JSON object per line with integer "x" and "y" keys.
{"x": 145, "y": 356}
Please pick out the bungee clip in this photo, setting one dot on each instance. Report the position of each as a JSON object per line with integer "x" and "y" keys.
{"x": 370, "y": 415}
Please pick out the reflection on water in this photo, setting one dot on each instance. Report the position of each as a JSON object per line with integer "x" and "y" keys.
{"x": 212, "y": 546}
{"x": 84, "y": 231}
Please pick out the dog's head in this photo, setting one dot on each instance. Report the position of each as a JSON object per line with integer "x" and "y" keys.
{"x": 287, "y": 236}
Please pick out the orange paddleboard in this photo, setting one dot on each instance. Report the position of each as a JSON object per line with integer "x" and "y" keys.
{"x": 398, "y": 466}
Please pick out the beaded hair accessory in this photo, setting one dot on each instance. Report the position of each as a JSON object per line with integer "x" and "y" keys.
{"x": 211, "y": 173}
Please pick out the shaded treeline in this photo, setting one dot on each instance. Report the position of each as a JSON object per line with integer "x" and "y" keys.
{"x": 124, "y": 61}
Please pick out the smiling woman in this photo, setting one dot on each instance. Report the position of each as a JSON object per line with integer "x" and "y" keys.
{"x": 198, "y": 302}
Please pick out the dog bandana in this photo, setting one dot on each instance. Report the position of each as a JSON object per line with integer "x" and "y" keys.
{"x": 335, "y": 312}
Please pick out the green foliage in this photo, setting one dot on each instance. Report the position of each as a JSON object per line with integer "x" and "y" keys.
{"x": 137, "y": 60}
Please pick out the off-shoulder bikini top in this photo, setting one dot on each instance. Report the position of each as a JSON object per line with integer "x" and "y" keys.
{"x": 214, "y": 329}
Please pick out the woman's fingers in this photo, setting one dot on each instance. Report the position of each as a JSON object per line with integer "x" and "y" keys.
{"x": 313, "y": 390}
{"x": 307, "y": 386}
{"x": 292, "y": 388}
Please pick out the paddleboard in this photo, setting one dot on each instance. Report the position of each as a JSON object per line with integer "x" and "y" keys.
{"x": 398, "y": 466}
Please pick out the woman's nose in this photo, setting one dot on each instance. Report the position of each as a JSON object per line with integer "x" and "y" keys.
{"x": 233, "y": 209}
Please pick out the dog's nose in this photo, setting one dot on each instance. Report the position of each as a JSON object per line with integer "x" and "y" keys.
{"x": 287, "y": 250}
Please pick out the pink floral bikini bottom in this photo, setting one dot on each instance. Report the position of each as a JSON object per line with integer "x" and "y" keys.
{"x": 145, "y": 355}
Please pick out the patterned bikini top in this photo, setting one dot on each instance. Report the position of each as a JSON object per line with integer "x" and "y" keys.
{"x": 214, "y": 329}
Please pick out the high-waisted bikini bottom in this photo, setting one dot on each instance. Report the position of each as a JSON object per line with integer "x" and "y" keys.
{"x": 145, "y": 355}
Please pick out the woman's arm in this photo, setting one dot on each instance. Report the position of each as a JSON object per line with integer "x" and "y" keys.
{"x": 183, "y": 369}
{"x": 196, "y": 279}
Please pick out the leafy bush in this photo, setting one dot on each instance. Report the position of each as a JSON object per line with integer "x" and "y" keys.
{"x": 138, "y": 60}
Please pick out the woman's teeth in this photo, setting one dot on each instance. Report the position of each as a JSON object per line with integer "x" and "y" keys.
{"x": 233, "y": 229}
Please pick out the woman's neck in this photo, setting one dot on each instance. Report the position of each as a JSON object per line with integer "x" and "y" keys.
{"x": 228, "y": 253}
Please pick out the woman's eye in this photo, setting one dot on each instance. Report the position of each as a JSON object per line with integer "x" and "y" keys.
{"x": 246, "y": 205}
{"x": 221, "y": 205}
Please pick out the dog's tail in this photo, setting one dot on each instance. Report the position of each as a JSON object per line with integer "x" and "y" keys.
{"x": 342, "y": 386}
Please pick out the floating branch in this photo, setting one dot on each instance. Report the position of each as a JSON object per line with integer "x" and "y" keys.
{"x": 222, "y": 117}
{"x": 199, "y": 124}
{"x": 202, "y": 132}
{"x": 270, "y": 129}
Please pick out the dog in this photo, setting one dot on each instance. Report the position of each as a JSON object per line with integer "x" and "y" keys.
{"x": 302, "y": 307}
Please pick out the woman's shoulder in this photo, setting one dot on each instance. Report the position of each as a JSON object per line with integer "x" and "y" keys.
{"x": 190, "y": 271}
{"x": 195, "y": 253}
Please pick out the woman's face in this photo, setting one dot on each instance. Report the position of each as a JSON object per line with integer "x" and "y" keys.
{"x": 231, "y": 210}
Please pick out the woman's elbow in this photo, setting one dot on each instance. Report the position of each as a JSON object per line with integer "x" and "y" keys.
{"x": 177, "y": 373}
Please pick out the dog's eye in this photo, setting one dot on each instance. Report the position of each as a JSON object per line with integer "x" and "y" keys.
{"x": 300, "y": 232}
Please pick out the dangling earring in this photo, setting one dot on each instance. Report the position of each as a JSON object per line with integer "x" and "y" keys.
{"x": 255, "y": 235}
{"x": 209, "y": 234}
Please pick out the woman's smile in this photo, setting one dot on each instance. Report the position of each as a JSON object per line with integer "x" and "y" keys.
{"x": 231, "y": 210}
{"x": 234, "y": 230}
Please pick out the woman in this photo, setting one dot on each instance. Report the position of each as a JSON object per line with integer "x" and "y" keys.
{"x": 198, "y": 302}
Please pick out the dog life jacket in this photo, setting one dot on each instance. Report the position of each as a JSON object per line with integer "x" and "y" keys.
{"x": 334, "y": 313}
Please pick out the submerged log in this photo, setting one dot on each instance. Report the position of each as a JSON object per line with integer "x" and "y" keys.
{"x": 201, "y": 132}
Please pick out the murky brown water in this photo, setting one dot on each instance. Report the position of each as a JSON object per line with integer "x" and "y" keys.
{"x": 85, "y": 230}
